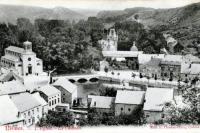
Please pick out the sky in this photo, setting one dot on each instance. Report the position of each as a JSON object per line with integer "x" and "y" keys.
{"x": 101, "y": 4}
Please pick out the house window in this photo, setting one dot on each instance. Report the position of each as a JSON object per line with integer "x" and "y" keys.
{"x": 58, "y": 100}
{"x": 29, "y": 120}
{"x": 63, "y": 99}
{"x": 162, "y": 115}
{"x": 165, "y": 74}
{"x": 24, "y": 115}
{"x": 55, "y": 101}
{"x": 52, "y": 102}
{"x": 29, "y": 113}
{"x": 95, "y": 103}
{"x": 129, "y": 109}
{"x": 33, "y": 111}
{"x": 121, "y": 109}
{"x": 37, "y": 109}
{"x": 29, "y": 59}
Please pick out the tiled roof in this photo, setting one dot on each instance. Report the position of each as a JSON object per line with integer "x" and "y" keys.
{"x": 33, "y": 81}
{"x": 11, "y": 87}
{"x": 101, "y": 101}
{"x": 66, "y": 84}
{"x": 11, "y": 58}
{"x": 129, "y": 97}
{"x": 155, "y": 98}
{"x": 15, "y": 49}
{"x": 24, "y": 101}
{"x": 8, "y": 111}
{"x": 39, "y": 98}
{"x": 49, "y": 90}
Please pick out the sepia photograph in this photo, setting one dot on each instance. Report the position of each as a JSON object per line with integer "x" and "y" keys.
{"x": 99, "y": 66}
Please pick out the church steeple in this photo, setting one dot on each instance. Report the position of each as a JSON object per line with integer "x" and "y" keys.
{"x": 112, "y": 39}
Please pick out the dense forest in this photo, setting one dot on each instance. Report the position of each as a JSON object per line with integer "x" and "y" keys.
{"x": 73, "y": 46}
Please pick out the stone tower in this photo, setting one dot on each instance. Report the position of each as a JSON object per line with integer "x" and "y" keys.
{"x": 112, "y": 39}
{"x": 29, "y": 59}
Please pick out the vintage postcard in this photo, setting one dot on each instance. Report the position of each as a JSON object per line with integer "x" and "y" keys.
{"x": 99, "y": 65}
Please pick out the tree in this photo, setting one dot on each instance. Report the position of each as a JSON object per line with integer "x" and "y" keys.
{"x": 57, "y": 119}
{"x": 111, "y": 92}
{"x": 186, "y": 115}
{"x": 135, "y": 118}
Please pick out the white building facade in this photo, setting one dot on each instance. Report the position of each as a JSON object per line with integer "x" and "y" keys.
{"x": 22, "y": 60}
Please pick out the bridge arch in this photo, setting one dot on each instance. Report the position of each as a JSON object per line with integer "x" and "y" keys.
{"x": 82, "y": 80}
{"x": 72, "y": 80}
{"x": 94, "y": 79}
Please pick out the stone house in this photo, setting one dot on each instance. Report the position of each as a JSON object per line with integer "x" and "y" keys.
{"x": 128, "y": 101}
{"x": 9, "y": 114}
{"x": 102, "y": 104}
{"x": 51, "y": 95}
{"x": 155, "y": 100}
{"x": 28, "y": 107}
{"x": 68, "y": 91}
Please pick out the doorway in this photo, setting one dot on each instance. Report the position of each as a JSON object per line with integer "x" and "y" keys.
{"x": 29, "y": 69}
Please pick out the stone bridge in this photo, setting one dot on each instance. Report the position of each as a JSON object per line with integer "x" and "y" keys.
{"x": 89, "y": 78}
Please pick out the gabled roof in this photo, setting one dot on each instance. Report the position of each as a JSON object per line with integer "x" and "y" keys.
{"x": 24, "y": 101}
{"x": 101, "y": 101}
{"x": 129, "y": 97}
{"x": 49, "y": 90}
{"x": 34, "y": 81}
{"x": 155, "y": 98}
{"x": 8, "y": 111}
{"x": 11, "y": 58}
{"x": 39, "y": 98}
{"x": 11, "y": 87}
{"x": 15, "y": 49}
{"x": 66, "y": 84}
